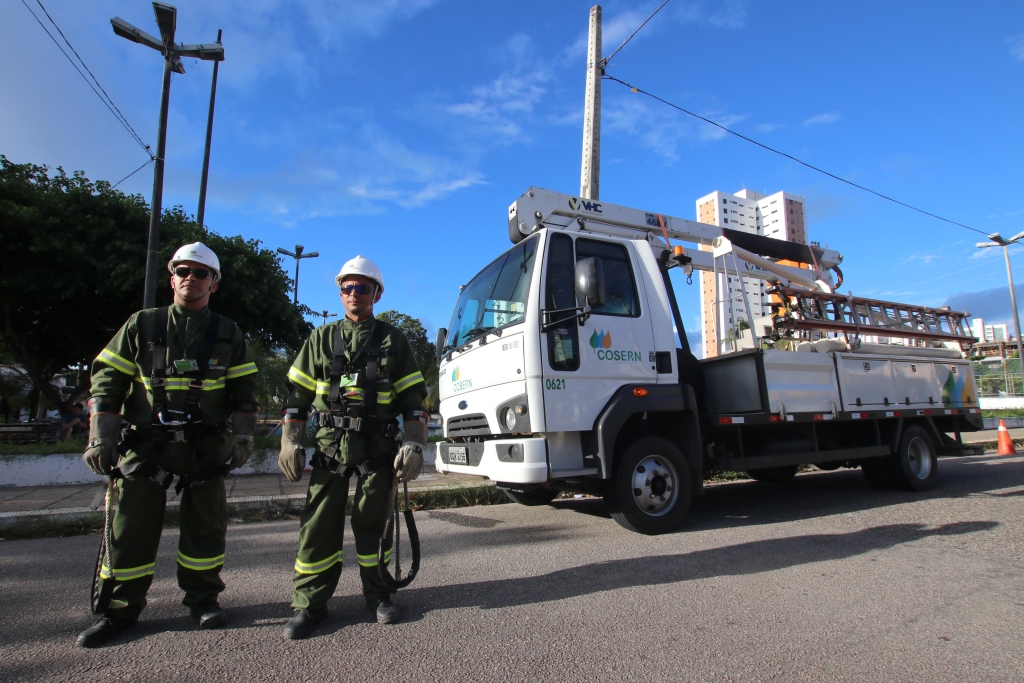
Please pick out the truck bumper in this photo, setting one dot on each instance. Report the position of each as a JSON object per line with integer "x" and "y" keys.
{"x": 518, "y": 461}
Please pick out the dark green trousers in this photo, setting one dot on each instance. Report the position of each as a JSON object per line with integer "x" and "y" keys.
{"x": 137, "y": 525}
{"x": 319, "y": 561}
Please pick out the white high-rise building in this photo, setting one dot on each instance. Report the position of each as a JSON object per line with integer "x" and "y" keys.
{"x": 779, "y": 215}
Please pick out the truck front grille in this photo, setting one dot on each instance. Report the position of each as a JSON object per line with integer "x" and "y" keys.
{"x": 468, "y": 425}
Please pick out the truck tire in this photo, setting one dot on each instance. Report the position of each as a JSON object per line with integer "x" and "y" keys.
{"x": 774, "y": 475}
{"x": 530, "y": 497}
{"x": 651, "y": 489}
{"x": 915, "y": 465}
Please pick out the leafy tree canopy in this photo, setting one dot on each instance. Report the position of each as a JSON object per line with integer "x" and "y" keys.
{"x": 423, "y": 349}
{"x": 76, "y": 255}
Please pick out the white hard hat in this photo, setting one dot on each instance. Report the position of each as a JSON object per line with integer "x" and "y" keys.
{"x": 198, "y": 252}
{"x": 361, "y": 265}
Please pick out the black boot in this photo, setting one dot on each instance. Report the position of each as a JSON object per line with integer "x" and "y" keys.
{"x": 303, "y": 623}
{"x": 387, "y": 611}
{"x": 102, "y": 631}
{"x": 210, "y": 615}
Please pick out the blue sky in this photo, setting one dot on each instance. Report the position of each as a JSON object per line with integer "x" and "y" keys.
{"x": 402, "y": 130}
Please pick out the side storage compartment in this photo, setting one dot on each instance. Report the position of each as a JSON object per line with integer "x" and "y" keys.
{"x": 916, "y": 383}
{"x": 734, "y": 383}
{"x": 800, "y": 382}
{"x": 865, "y": 381}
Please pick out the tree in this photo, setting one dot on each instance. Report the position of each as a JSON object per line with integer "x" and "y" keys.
{"x": 76, "y": 267}
{"x": 422, "y": 348}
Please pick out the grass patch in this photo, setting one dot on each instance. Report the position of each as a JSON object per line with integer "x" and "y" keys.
{"x": 70, "y": 446}
{"x": 1013, "y": 412}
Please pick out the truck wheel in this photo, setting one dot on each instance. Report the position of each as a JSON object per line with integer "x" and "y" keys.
{"x": 915, "y": 466}
{"x": 531, "y": 497}
{"x": 651, "y": 489}
{"x": 774, "y": 475}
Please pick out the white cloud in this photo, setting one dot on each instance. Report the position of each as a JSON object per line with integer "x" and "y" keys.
{"x": 1017, "y": 47}
{"x": 661, "y": 129}
{"x": 823, "y": 119}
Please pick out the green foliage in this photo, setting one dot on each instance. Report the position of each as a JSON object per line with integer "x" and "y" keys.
{"x": 422, "y": 348}
{"x": 76, "y": 269}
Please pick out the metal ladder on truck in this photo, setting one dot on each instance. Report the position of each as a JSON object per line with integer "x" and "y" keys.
{"x": 804, "y": 310}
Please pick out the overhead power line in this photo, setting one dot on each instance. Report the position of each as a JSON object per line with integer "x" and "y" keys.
{"x": 604, "y": 62}
{"x": 788, "y": 156}
{"x": 107, "y": 101}
{"x": 148, "y": 162}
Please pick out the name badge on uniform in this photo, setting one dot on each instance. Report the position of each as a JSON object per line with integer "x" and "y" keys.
{"x": 185, "y": 365}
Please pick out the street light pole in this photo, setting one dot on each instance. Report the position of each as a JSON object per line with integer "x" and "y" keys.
{"x": 327, "y": 315}
{"x": 166, "y": 20}
{"x": 201, "y": 215}
{"x": 999, "y": 241}
{"x": 298, "y": 256}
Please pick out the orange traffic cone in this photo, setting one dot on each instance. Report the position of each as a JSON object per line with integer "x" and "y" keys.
{"x": 1005, "y": 442}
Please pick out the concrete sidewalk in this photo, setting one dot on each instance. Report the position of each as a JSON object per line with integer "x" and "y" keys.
{"x": 20, "y": 503}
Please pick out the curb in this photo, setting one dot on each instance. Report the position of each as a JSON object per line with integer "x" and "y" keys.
{"x": 236, "y": 504}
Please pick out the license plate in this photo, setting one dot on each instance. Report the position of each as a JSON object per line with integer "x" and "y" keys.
{"x": 457, "y": 455}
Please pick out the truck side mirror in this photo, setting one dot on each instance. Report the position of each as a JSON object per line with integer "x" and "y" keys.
{"x": 439, "y": 340}
{"x": 589, "y": 279}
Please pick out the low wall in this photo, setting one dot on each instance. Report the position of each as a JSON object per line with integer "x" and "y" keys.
{"x": 68, "y": 468}
{"x": 1001, "y": 402}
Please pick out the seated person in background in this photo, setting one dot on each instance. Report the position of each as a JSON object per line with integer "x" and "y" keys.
{"x": 75, "y": 423}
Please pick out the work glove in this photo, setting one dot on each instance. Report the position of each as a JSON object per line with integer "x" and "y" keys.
{"x": 104, "y": 435}
{"x": 409, "y": 460}
{"x": 292, "y": 459}
{"x": 243, "y": 427}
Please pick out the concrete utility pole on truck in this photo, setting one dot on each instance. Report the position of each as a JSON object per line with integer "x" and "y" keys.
{"x": 567, "y": 368}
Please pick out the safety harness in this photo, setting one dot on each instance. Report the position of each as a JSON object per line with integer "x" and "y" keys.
{"x": 175, "y": 426}
{"x": 369, "y": 423}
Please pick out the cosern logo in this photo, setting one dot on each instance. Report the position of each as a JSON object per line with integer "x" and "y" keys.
{"x": 459, "y": 384}
{"x": 577, "y": 204}
{"x": 601, "y": 342}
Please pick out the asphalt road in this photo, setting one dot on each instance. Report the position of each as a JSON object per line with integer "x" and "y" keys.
{"x": 823, "y": 579}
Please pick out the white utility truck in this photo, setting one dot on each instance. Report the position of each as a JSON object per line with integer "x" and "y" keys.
{"x": 567, "y": 367}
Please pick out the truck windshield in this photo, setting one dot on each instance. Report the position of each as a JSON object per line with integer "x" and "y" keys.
{"x": 496, "y": 297}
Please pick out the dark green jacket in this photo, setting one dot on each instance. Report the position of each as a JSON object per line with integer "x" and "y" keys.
{"x": 399, "y": 389}
{"x": 121, "y": 374}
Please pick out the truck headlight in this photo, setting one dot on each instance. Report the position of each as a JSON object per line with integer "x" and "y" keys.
{"x": 509, "y": 418}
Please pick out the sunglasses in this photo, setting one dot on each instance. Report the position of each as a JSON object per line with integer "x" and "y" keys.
{"x": 359, "y": 289}
{"x": 184, "y": 271}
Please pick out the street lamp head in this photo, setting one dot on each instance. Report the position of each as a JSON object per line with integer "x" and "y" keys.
{"x": 1016, "y": 237}
{"x": 136, "y": 35}
{"x": 211, "y": 52}
{"x": 312, "y": 254}
{"x": 282, "y": 250}
{"x": 166, "y": 19}
{"x": 982, "y": 245}
{"x": 997, "y": 238}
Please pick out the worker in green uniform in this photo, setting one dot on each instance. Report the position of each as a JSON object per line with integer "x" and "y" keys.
{"x": 179, "y": 376}
{"x": 360, "y": 375}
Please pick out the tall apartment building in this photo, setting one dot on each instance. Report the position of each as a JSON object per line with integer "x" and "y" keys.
{"x": 779, "y": 215}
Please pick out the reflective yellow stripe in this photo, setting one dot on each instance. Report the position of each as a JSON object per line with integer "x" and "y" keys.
{"x": 128, "y": 574}
{"x": 407, "y": 381}
{"x": 302, "y": 379}
{"x": 317, "y": 567}
{"x": 385, "y": 398}
{"x": 240, "y": 370}
{"x": 117, "y": 362}
{"x": 199, "y": 564}
{"x": 371, "y": 560}
{"x": 181, "y": 383}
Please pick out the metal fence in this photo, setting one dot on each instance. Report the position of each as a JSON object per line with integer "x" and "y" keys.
{"x": 999, "y": 379}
